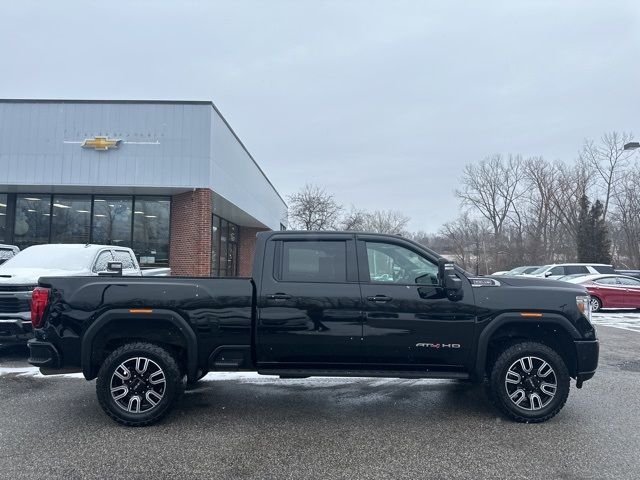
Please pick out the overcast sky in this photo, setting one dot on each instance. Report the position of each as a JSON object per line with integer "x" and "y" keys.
{"x": 381, "y": 103}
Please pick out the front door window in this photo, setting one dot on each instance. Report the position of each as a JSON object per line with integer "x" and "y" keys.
{"x": 390, "y": 263}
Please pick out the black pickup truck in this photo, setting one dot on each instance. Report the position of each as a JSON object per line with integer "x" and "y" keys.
{"x": 318, "y": 304}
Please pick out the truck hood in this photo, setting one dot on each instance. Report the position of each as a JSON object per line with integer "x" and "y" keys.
{"x": 529, "y": 294}
{"x": 30, "y": 276}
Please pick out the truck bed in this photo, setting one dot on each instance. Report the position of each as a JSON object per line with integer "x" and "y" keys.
{"x": 218, "y": 310}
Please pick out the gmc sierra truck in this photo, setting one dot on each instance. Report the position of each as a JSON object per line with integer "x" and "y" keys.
{"x": 318, "y": 304}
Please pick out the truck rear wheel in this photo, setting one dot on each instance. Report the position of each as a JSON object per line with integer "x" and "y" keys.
{"x": 529, "y": 382}
{"x": 138, "y": 384}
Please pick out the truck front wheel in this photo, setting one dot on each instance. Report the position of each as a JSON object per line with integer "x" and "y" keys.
{"x": 138, "y": 384}
{"x": 529, "y": 382}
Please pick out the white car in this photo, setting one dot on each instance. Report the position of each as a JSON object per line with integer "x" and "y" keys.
{"x": 557, "y": 270}
{"x": 19, "y": 276}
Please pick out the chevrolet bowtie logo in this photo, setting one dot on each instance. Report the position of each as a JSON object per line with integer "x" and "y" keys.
{"x": 101, "y": 143}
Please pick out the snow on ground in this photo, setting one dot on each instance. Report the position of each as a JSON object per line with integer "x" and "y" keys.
{"x": 244, "y": 377}
{"x": 621, "y": 319}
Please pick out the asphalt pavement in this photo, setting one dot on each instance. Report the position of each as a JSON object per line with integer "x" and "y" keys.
{"x": 246, "y": 426}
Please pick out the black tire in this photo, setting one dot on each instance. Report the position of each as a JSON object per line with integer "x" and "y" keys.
{"x": 170, "y": 390}
{"x": 596, "y": 304}
{"x": 527, "y": 412}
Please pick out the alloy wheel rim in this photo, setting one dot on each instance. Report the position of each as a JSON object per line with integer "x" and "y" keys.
{"x": 138, "y": 385}
{"x": 595, "y": 304}
{"x": 531, "y": 383}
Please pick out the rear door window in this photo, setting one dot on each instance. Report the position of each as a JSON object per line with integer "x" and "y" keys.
{"x": 318, "y": 261}
{"x": 607, "y": 281}
{"x": 575, "y": 269}
{"x": 603, "y": 268}
{"x": 125, "y": 257}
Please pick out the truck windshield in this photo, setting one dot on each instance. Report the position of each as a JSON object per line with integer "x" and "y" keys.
{"x": 56, "y": 257}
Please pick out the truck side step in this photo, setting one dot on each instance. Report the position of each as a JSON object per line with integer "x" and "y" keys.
{"x": 294, "y": 373}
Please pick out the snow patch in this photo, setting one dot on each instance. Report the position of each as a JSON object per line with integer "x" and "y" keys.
{"x": 33, "y": 372}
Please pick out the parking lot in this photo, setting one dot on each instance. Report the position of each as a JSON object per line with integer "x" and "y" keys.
{"x": 246, "y": 426}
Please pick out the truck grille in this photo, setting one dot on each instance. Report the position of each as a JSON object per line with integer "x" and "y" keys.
{"x": 14, "y": 305}
{"x": 17, "y": 288}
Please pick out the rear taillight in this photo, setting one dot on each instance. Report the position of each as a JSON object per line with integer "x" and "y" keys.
{"x": 39, "y": 300}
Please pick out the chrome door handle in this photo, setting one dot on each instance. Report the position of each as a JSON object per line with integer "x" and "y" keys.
{"x": 279, "y": 296}
{"x": 379, "y": 299}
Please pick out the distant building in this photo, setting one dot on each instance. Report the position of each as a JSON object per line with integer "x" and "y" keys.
{"x": 169, "y": 179}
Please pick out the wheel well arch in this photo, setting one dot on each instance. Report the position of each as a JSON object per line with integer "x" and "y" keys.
{"x": 115, "y": 328}
{"x": 555, "y": 333}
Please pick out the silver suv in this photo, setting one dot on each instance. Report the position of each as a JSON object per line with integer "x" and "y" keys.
{"x": 558, "y": 270}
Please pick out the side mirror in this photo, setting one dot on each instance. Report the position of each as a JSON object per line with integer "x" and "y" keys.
{"x": 449, "y": 280}
{"x": 113, "y": 269}
{"x": 547, "y": 274}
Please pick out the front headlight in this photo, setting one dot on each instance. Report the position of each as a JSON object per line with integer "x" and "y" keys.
{"x": 584, "y": 305}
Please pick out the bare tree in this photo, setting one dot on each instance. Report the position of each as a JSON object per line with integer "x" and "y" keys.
{"x": 354, "y": 220}
{"x": 491, "y": 187}
{"x": 571, "y": 183}
{"x": 627, "y": 220}
{"x": 313, "y": 208}
{"x": 608, "y": 159}
{"x": 468, "y": 237}
{"x": 386, "y": 221}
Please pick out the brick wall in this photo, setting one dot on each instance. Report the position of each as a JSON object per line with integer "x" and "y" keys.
{"x": 246, "y": 249}
{"x": 190, "y": 240}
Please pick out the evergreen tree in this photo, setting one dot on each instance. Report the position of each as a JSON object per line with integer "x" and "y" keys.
{"x": 601, "y": 240}
{"x": 592, "y": 240}
{"x": 583, "y": 237}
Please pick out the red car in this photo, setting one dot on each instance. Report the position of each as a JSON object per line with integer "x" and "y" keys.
{"x": 611, "y": 291}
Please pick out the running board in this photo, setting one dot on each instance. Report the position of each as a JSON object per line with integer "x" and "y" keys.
{"x": 305, "y": 373}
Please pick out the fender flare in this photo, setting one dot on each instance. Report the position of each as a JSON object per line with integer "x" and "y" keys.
{"x": 86, "y": 347}
{"x": 514, "y": 317}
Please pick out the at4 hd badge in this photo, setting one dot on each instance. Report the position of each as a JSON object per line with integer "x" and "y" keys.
{"x": 438, "y": 345}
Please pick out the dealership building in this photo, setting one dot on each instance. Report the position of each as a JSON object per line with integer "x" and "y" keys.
{"x": 169, "y": 179}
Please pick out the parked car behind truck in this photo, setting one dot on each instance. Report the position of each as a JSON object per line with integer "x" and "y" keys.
{"x": 7, "y": 252}
{"x": 19, "y": 276}
{"x": 611, "y": 291}
{"x": 555, "y": 271}
{"x": 318, "y": 304}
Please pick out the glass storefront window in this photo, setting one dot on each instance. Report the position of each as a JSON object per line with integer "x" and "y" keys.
{"x": 71, "y": 219}
{"x": 141, "y": 223}
{"x": 112, "y": 221}
{"x": 151, "y": 230}
{"x": 224, "y": 248}
{"x": 32, "y": 220}
{"x": 224, "y": 233}
{"x": 4, "y": 234}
